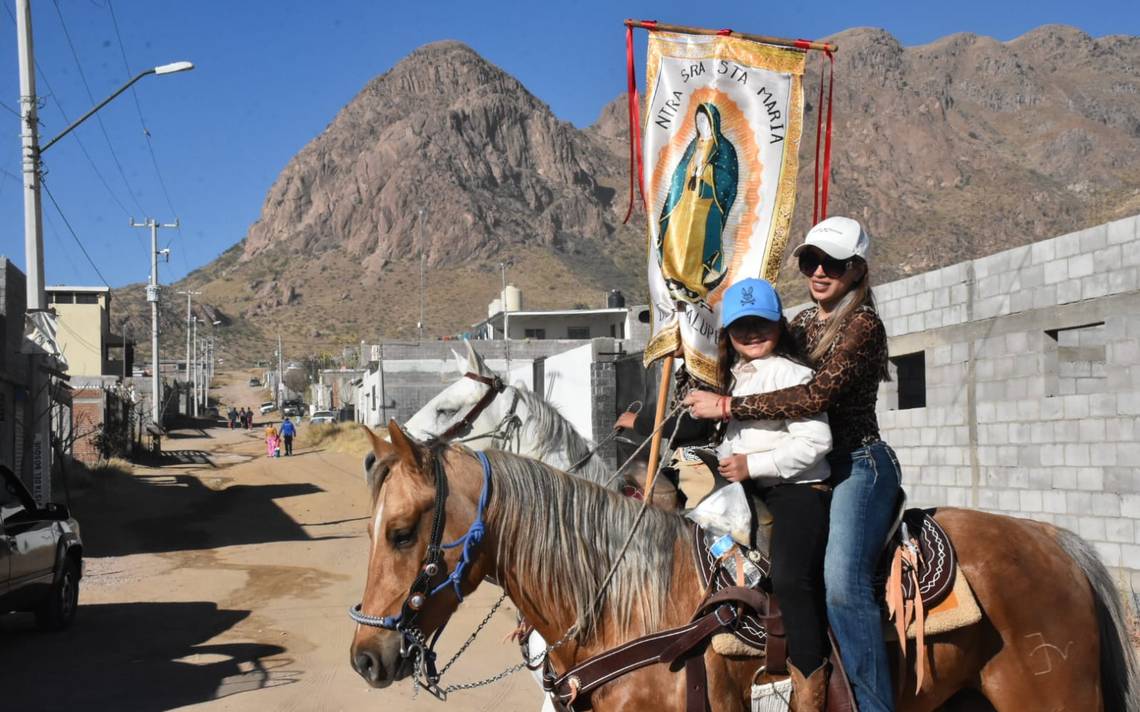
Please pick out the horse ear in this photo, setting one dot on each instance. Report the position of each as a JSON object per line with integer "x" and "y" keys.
{"x": 381, "y": 447}
{"x": 460, "y": 362}
{"x": 475, "y": 362}
{"x": 405, "y": 447}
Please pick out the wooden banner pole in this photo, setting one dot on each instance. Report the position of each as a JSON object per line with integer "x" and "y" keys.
{"x": 778, "y": 41}
{"x": 662, "y": 401}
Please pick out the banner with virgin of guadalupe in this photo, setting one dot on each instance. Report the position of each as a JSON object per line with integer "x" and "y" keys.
{"x": 723, "y": 118}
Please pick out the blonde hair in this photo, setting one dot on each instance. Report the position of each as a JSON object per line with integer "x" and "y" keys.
{"x": 860, "y": 295}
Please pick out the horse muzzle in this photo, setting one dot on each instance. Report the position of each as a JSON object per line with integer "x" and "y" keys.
{"x": 379, "y": 660}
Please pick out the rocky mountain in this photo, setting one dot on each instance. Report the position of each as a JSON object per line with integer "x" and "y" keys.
{"x": 946, "y": 151}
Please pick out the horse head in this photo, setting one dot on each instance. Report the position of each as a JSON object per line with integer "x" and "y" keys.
{"x": 413, "y": 586}
{"x": 459, "y": 400}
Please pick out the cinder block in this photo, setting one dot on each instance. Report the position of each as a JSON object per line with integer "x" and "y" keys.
{"x": 1076, "y": 455}
{"x": 1064, "y": 478}
{"x": 1123, "y": 280}
{"x": 1090, "y": 479}
{"x": 1109, "y": 553}
{"x": 1128, "y": 404}
{"x": 1093, "y": 238}
{"x": 1045, "y": 296}
{"x": 1106, "y": 504}
{"x": 1094, "y": 285}
{"x": 1080, "y": 503}
{"x": 1068, "y": 245}
{"x": 1121, "y": 231}
{"x": 1091, "y": 528}
{"x": 1052, "y": 455}
{"x": 1009, "y": 501}
{"x": 1092, "y": 430}
{"x": 1102, "y": 404}
{"x": 1069, "y": 291}
{"x": 1130, "y": 506}
{"x": 1080, "y": 266}
{"x": 1129, "y": 556}
{"x": 1122, "y": 480}
{"x": 1052, "y": 408}
{"x": 1128, "y": 454}
{"x": 1031, "y": 501}
{"x": 1042, "y": 251}
{"x": 1053, "y": 501}
{"x": 1103, "y": 454}
{"x": 915, "y": 323}
{"x": 1066, "y": 431}
{"x": 1076, "y": 406}
{"x": 1120, "y": 530}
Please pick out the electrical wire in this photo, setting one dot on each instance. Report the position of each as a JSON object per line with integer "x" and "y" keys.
{"x": 72, "y": 231}
{"x": 82, "y": 147}
{"x": 91, "y": 98}
{"x": 146, "y": 133}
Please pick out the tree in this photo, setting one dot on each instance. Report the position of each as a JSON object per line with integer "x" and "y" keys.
{"x": 297, "y": 381}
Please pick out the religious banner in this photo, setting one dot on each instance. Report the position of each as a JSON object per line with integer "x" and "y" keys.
{"x": 722, "y": 124}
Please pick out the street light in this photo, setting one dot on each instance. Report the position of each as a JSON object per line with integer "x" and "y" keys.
{"x": 38, "y": 461}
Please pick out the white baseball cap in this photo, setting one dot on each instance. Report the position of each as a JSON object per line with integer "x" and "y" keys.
{"x": 839, "y": 237}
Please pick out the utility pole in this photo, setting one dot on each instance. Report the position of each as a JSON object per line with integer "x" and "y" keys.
{"x": 194, "y": 370}
{"x": 280, "y": 371}
{"x": 39, "y": 380}
{"x": 152, "y": 294}
{"x": 126, "y": 328}
{"x": 188, "y": 294}
{"x": 420, "y": 325}
{"x": 506, "y": 318}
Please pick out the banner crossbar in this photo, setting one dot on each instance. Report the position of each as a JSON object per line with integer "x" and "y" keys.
{"x": 764, "y": 39}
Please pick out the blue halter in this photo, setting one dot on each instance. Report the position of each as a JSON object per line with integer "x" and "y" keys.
{"x": 416, "y": 598}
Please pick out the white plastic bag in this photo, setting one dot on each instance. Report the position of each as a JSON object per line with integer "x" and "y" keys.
{"x": 772, "y": 696}
{"x": 725, "y": 511}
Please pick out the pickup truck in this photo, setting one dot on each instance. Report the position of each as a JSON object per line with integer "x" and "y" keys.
{"x": 41, "y": 556}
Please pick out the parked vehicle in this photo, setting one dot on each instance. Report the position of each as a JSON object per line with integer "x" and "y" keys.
{"x": 41, "y": 556}
{"x": 267, "y": 407}
{"x": 293, "y": 408}
{"x": 323, "y": 417}
{"x": 254, "y": 383}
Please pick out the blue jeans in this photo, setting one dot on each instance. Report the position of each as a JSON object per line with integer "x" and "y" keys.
{"x": 866, "y": 486}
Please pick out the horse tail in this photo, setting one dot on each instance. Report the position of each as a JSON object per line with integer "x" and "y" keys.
{"x": 1119, "y": 681}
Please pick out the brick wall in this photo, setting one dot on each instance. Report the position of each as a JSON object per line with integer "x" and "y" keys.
{"x": 87, "y": 412}
{"x": 1030, "y": 372}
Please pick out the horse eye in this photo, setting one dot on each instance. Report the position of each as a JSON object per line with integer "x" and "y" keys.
{"x": 403, "y": 539}
{"x": 446, "y": 412}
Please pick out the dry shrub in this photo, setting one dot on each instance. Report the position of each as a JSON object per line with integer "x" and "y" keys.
{"x": 348, "y": 438}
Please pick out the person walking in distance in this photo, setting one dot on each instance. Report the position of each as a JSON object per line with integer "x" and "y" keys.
{"x": 288, "y": 432}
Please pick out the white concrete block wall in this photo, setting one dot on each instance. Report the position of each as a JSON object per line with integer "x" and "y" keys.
{"x": 1032, "y": 370}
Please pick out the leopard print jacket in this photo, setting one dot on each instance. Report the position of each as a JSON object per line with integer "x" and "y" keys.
{"x": 845, "y": 385}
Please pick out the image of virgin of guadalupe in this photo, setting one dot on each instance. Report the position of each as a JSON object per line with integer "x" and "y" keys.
{"x": 701, "y": 192}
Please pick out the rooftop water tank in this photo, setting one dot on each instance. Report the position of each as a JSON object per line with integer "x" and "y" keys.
{"x": 494, "y": 307}
{"x": 615, "y": 299}
{"x": 513, "y": 298}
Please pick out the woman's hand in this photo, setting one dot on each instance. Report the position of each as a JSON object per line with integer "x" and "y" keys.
{"x": 626, "y": 421}
{"x": 702, "y": 404}
{"x": 734, "y": 468}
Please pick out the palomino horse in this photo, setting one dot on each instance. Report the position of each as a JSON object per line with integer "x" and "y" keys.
{"x": 1052, "y": 636}
{"x": 511, "y": 418}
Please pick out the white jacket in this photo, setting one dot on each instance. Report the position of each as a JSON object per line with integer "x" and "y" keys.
{"x": 777, "y": 449}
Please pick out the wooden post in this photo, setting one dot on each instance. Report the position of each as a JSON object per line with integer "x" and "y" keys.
{"x": 764, "y": 39}
{"x": 662, "y": 400}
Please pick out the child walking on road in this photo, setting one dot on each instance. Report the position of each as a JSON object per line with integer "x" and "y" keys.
{"x": 272, "y": 440}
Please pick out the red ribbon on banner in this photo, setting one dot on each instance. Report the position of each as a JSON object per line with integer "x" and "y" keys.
{"x": 635, "y": 171}
{"x": 823, "y": 182}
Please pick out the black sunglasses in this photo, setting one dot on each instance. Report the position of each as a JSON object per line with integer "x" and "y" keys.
{"x": 810, "y": 260}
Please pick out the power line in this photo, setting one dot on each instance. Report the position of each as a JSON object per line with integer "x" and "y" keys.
{"x": 72, "y": 231}
{"x": 91, "y": 98}
{"x": 82, "y": 146}
{"x": 146, "y": 133}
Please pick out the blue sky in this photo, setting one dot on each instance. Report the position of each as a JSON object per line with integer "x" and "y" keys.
{"x": 272, "y": 74}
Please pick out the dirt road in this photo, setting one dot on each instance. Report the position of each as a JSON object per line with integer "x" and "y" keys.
{"x": 219, "y": 580}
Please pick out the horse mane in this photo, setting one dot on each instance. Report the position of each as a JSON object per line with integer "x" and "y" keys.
{"x": 555, "y": 434}
{"x": 561, "y": 535}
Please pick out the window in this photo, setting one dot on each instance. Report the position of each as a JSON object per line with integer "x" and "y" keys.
{"x": 910, "y": 376}
{"x": 578, "y": 332}
{"x": 373, "y": 397}
{"x": 538, "y": 375}
{"x": 1075, "y": 358}
{"x": 61, "y": 298}
{"x": 535, "y": 333}
{"x": 86, "y": 298}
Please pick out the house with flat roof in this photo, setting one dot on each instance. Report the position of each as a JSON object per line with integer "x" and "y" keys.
{"x": 85, "y": 336}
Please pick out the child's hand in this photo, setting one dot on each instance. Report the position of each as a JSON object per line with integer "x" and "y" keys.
{"x": 734, "y": 468}
{"x": 626, "y": 421}
{"x": 702, "y": 404}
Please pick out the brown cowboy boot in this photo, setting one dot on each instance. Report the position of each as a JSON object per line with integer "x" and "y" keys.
{"x": 809, "y": 694}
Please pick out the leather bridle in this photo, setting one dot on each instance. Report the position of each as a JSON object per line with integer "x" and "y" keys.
{"x": 462, "y": 426}
{"x": 413, "y": 642}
